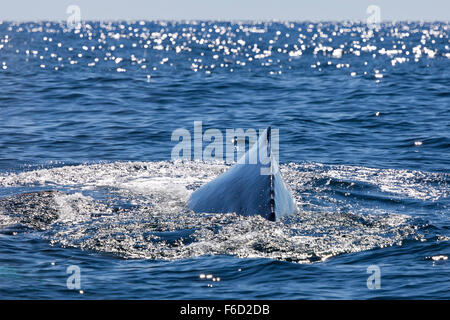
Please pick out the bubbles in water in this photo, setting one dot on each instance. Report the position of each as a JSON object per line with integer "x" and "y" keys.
{"x": 138, "y": 210}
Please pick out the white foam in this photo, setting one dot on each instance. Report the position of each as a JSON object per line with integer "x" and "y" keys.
{"x": 157, "y": 191}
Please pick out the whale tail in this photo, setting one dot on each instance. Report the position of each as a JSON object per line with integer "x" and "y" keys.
{"x": 248, "y": 188}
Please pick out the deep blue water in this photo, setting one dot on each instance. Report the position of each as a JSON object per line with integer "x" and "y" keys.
{"x": 364, "y": 122}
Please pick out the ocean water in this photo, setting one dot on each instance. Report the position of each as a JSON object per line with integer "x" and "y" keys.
{"x": 87, "y": 182}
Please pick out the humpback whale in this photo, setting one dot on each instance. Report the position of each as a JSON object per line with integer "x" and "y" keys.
{"x": 247, "y": 188}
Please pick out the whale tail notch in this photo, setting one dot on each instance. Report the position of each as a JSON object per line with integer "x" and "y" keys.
{"x": 248, "y": 189}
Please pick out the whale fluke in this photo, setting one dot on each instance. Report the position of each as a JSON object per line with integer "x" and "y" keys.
{"x": 247, "y": 189}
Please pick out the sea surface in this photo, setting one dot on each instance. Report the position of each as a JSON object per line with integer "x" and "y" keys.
{"x": 92, "y": 205}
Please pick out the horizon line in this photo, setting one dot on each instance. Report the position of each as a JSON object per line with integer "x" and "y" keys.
{"x": 225, "y": 20}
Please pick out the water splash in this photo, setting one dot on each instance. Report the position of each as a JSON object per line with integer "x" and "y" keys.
{"x": 138, "y": 210}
